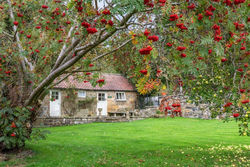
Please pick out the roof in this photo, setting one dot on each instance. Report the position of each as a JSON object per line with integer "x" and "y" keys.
{"x": 113, "y": 82}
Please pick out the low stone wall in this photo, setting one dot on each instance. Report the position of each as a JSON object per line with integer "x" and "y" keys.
{"x": 146, "y": 113}
{"x": 193, "y": 111}
{"x": 188, "y": 111}
{"x": 53, "y": 121}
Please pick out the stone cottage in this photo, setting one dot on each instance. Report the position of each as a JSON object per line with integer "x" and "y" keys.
{"x": 72, "y": 98}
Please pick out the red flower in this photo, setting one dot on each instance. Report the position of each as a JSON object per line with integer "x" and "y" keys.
{"x": 19, "y": 15}
{"x": 228, "y": 2}
{"x": 145, "y": 51}
{"x": 88, "y": 73}
{"x": 245, "y": 65}
{"x": 146, "y": 32}
{"x": 236, "y": 2}
{"x": 44, "y": 6}
{"x": 38, "y": 27}
{"x": 242, "y": 90}
{"x": 85, "y": 24}
{"x": 15, "y": 23}
{"x": 144, "y": 72}
{"x": 181, "y": 48}
{"x": 183, "y": 55}
{"x": 162, "y": 1}
{"x": 13, "y": 134}
{"x": 110, "y": 22}
{"x": 154, "y": 38}
{"x": 223, "y": 60}
{"x": 178, "y": 110}
{"x": 169, "y": 44}
{"x": 192, "y": 6}
{"x": 200, "y": 58}
{"x": 13, "y": 125}
{"x": 235, "y": 115}
{"x": 208, "y": 13}
{"x": 218, "y": 38}
{"x": 228, "y": 104}
{"x": 211, "y": 8}
{"x": 216, "y": 27}
{"x": 92, "y": 30}
{"x": 243, "y": 48}
{"x": 181, "y": 26}
{"x": 173, "y": 17}
{"x": 106, "y": 12}
{"x": 168, "y": 108}
{"x": 245, "y": 101}
{"x": 146, "y": 2}
{"x": 100, "y": 81}
{"x": 209, "y": 51}
{"x": 104, "y": 21}
{"x": 158, "y": 71}
{"x": 200, "y": 16}
{"x": 28, "y": 36}
{"x": 91, "y": 65}
{"x": 176, "y": 105}
{"x": 240, "y": 70}
{"x": 68, "y": 22}
{"x": 192, "y": 42}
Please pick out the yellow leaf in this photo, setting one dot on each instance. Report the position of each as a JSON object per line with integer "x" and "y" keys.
{"x": 134, "y": 41}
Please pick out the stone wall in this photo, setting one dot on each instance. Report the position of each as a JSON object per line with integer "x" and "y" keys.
{"x": 41, "y": 122}
{"x": 146, "y": 113}
{"x": 191, "y": 110}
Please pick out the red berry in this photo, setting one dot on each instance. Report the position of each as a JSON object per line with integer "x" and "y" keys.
{"x": 15, "y": 23}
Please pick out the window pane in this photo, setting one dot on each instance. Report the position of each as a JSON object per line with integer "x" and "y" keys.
{"x": 101, "y": 96}
{"x": 81, "y": 94}
{"x": 55, "y": 95}
{"x": 120, "y": 96}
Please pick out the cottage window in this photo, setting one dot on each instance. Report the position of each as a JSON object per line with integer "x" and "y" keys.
{"x": 81, "y": 93}
{"x": 54, "y": 95}
{"x": 120, "y": 96}
{"x": 101, "y": 96}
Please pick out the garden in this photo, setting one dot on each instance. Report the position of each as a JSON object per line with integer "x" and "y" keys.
{"x": 151, "y": 142}
{"x": 163, "y": 48}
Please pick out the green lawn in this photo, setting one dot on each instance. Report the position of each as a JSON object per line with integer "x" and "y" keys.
{"x": 151, "y": 142}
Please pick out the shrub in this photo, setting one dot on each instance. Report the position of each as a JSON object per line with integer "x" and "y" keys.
{"x": 15, "y": 127}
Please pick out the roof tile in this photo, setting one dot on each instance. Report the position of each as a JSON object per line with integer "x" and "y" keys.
{"x": 115, "y": 82}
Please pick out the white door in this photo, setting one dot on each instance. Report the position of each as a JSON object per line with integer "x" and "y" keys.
{"x": 102, "y": 103}
{"x": 55, "y": 103}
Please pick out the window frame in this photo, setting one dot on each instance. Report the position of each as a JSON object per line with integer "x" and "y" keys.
{"x": 125, "y": 98}
{"x": 55, "y": 94}
{"x": 103, "y": 98}
{"x": 78, "y": 93}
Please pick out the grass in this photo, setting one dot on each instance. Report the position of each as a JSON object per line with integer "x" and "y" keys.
{"x": 151, "y": 142}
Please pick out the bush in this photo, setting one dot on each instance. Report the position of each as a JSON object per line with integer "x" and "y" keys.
{"x": 158, "y": 112}
{"x": 15, "y": 127}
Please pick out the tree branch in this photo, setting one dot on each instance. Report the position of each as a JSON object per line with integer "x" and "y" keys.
{"x": 58, "y": 71}
{"x": 112, "y": 51}
{"x": 23, "y": 58}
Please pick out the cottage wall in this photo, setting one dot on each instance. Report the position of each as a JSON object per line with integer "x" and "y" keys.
{"x": 88, "y": 105}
